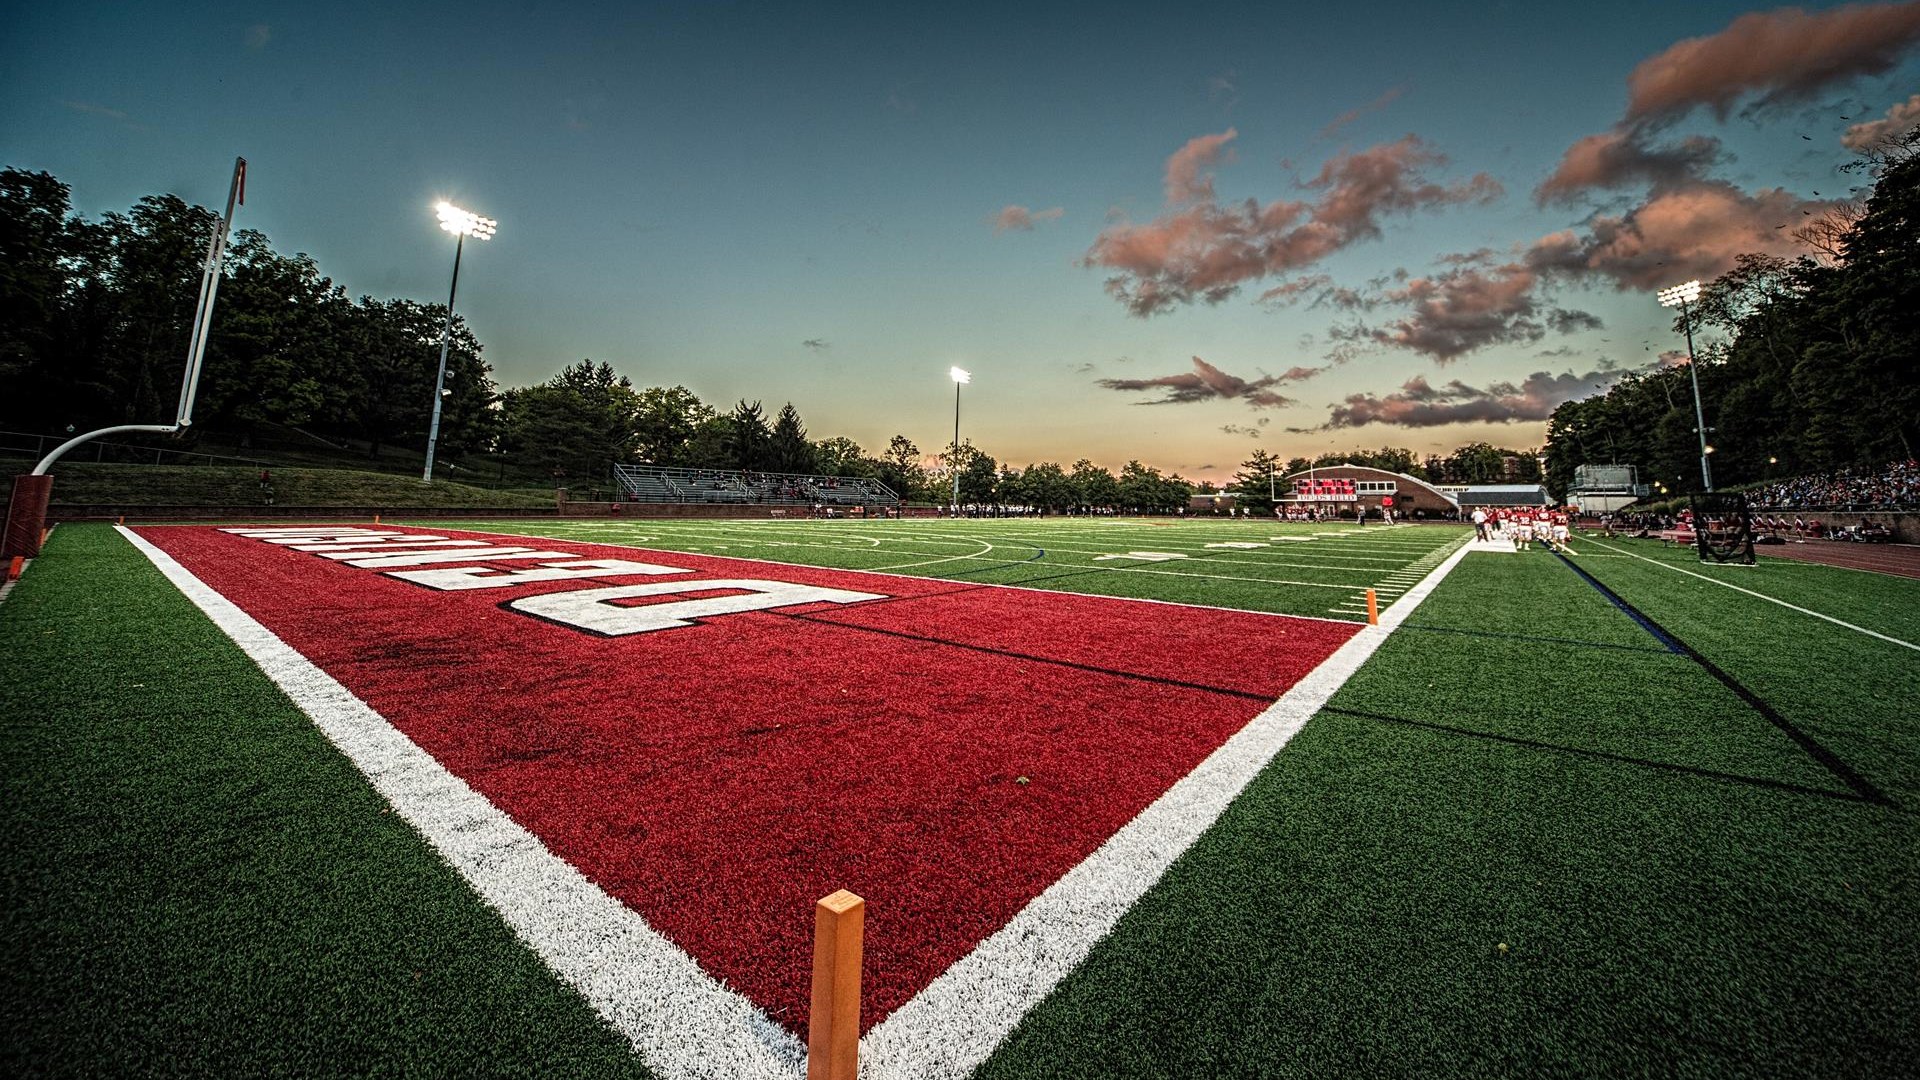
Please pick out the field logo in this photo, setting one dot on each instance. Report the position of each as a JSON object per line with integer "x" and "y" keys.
{"x": 597, "y": 611}
{"x": 1000, "y": 772}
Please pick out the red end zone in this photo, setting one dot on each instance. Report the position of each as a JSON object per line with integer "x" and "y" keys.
{"x": 945, "y": 750}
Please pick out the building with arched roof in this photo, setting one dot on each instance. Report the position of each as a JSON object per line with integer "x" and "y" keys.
{"x": 1343, "y": 488}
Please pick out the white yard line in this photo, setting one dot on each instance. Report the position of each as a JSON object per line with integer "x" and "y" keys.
{"x": 1763, "y": 596}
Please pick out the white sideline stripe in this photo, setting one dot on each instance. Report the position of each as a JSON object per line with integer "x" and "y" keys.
{"x": 1764, "y": 596}
{"x": 680, "y": 1020}
{"x": 957, "y": 1021}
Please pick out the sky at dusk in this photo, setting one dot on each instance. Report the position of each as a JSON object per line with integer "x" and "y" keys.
{"x": 1167, "y": 232}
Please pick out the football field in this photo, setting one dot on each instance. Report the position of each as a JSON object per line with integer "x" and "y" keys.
{"x": 1124, "y": 798}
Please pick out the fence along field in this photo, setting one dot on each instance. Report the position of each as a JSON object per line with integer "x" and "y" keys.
{"x": 1474, "y": 682}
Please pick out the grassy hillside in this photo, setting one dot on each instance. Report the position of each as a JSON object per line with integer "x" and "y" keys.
{"x": 81, "y": 484}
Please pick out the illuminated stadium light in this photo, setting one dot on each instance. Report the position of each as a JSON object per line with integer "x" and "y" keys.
{"x": 1677, "y": 295}
{"x": 1680, "y": 296}
{"x": 462, "y": 224}
{"x": 959, "y": 375}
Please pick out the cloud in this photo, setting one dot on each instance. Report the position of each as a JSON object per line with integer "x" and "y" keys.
{"x": 91, "y": 109}
{"x": 1201, "y": 250}
{"x": 1419, "y": 404}
{"x": 1781, "y": 55}
{"x": 1900, "y": 119}
{"x": 1252, "y": 431}
{"x": 1022, "y": 219}
{"x": 1348, "y": 117}
{"x": 1693, "y": 231}
{"x": 1186, "y": 179}
{"x": 1769, "y": 57}
{"x": 258, "y": 35}
{"x": 1224, "y": 88}
{"x": 1206, "y": 383}
{"x": 816, "y": 344}
{"x": 1620, "y": 157}
{"x": 1473, "y": 306}
{"x": 1320, "y": 291}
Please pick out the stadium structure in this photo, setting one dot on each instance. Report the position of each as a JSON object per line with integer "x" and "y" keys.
{"x": 1344, "y": 487}
{"x": 1603, "y": 489}
{"x": 654, "y": 484}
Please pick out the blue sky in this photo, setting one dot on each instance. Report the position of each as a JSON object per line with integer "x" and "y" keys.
{"x": 695, "y": 192}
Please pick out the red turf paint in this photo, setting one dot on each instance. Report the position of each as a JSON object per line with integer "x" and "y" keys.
{"x": 720, "y": 778}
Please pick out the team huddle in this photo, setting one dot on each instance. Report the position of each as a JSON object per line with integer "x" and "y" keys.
{"x": 1523, "y": 526}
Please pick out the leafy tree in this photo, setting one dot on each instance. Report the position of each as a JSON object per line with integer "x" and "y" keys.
{"x": 1047, "y": 486}
{"x": 979, "y": 473}
{"x": 711, "y": 446}
{"x": 1094, "y": 487}
{"x": 35, "y": 241}
{"x": 1141, "y": 487}
{"x": 392, "y": 354}
{"x": 841, "y": 456}
{"x": 664, "y": 423}
{"x": 900, "y": 469}
{"x": 1010, "y": 487}
{"x": 578, "y": 424}
{"x": 277, "y": 352}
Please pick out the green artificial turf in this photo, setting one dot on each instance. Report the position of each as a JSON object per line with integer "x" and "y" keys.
{"x": 198, "y": 884}
{"x": 1332, "y": 565}
{"x": 1497, "y": 855}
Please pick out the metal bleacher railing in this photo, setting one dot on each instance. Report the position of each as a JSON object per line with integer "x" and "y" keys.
{"x": 651, "y": 483}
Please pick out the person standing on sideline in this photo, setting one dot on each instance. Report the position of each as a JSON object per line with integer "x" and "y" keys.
{"x": 1479, "y": 523}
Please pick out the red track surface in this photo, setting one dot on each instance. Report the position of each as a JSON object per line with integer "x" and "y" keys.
{"x": 1901, "y": 560}
{"x": 947, "y": 753}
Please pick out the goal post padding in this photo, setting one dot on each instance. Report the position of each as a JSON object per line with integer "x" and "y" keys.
{"x": 26, "y": 515}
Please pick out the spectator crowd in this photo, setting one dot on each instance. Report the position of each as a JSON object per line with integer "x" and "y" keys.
{"x": 1897, "y": 485}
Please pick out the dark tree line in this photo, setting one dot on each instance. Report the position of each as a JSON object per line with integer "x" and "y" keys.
{"x": 94, "y": 330}
{"x": 94, "y": 325}
{"x": 1806, "y": 365}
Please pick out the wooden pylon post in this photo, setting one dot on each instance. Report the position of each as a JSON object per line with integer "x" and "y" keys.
{"x": 833, "y": 1027}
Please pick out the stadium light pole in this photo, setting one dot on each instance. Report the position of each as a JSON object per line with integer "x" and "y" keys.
{"x": 960, "y": 376}
{"x": 1680, "y": 296}
{"x": 462, "y": 224}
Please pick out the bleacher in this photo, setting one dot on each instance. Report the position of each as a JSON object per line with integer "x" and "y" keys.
{"x": 654, "y": 484}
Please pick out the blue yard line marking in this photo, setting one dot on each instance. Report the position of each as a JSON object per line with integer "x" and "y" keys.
{"x": 1646, "y": 624}
{"x": 1861, "y": 786}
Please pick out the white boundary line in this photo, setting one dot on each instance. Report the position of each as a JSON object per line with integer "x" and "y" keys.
{"x": 1764, "y": 596}
{"x": 679, "y": 1018}
{"x": 957, "y": 1021}
{"x": 683, "y": 1023}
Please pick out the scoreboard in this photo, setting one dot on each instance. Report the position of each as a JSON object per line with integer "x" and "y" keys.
{"x": 1332, "y": 490}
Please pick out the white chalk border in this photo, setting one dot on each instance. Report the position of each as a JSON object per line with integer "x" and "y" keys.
{"x": 684, "y": 1023}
